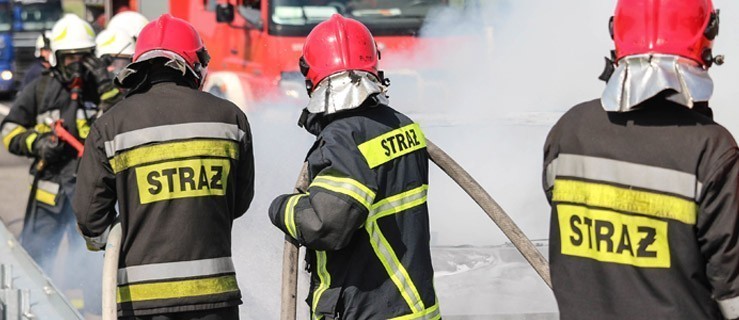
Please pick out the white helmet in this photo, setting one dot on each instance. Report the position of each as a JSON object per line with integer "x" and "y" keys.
{"x": 114, "y": 42}
{"x": 70, "y": 34}
{"x": 129, "y": 21}
{"x": 42, "y": 42}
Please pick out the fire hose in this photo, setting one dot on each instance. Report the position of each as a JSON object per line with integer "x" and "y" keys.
{"x": 289, "y": 289}
{"x": 110, "y": 272}
{"x": 468, "y": 184}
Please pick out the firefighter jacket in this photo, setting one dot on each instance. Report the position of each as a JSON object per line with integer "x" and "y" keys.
{"x": 644, "y": 220}
{"x": 364, "y": 217}
{"x": 179, "y": 162}
{"x": 46, "y": 100}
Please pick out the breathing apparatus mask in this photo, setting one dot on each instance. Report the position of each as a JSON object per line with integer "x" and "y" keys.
{"x": 70, "y": 67}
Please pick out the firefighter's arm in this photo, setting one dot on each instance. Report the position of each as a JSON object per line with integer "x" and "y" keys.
{"x": 551, "y": 152}
{"x": 95, "y": 194}
{"x": 327, "y": 216}
{"x": 718, "y": 231}
{"x": 17, "y": 129}
{"x": 245, "y": 172}
{"x": 338, "y": 199}
{"x": 109, "y": 94}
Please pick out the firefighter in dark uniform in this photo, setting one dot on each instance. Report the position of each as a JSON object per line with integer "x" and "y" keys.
{"x": 364, "y": 216}
{"x": 71, "y": 93}
{"x": 643, "y": 183}
{"x": 41, "y": 64}
{"x": 180, "y": 164}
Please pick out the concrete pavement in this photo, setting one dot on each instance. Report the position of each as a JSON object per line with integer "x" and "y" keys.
{"x": 14, "y": 184}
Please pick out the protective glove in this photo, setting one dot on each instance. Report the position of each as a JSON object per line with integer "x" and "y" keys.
{"x": 48, "y": 147}
{"x": 96, "y": 243}
{"x": 100, "y": 74}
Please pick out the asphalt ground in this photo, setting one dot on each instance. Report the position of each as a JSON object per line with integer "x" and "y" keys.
{"x": 14, "y": 183}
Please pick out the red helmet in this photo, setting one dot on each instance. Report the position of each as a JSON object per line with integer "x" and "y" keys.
{"x": 172, "y": 38}
{"x": 684, "y": 28}
{"x": 338, "y": 44}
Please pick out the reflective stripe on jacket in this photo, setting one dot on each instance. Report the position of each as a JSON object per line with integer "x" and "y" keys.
{"x": 365, "y": 218}
{"x": 45, "y": 100}
{"x": 644, "y": 213}
{"x": 180, "y": 164}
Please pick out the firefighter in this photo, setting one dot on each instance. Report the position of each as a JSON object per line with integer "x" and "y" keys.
{"x": 643, "y": 183}
{"x": 115, "y": 44}
{"x": 364, "y": 217}
{"x": 41, "y": 64}
{"x": 179, "y": 162}
{"x": 130, "y": 22}
{"x": 71, "y": 93}
{"x": 115, "y": 48}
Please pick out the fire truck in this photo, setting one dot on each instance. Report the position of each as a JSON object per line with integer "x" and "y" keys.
{"x": 255, "y": 44}
{"x": 98, "y": 12}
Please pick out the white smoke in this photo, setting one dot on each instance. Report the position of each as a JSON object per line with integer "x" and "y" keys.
{"x": 726, "y": 77}
{"x": 511, "y": 68}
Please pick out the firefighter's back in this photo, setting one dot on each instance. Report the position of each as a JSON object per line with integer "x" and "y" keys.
{"x": 386, "y": 269}
{"x": 641, "y": 204}
{"x": 178, "y": 155}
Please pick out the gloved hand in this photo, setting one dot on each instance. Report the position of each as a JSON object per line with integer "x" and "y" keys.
{"x": 99, "y": 72}
{"x": 96, "y": 243}
{"x": 48, "y": 147}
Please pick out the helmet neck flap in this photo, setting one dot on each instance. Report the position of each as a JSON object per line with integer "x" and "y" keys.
{"x": 641, "y": 77}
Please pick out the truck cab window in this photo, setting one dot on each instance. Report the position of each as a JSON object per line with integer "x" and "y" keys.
{"x": 382, "y": 17}
{"x": 252, "y": 13}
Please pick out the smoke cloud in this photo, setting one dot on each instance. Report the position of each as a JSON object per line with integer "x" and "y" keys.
{"x": 511, "y": 69}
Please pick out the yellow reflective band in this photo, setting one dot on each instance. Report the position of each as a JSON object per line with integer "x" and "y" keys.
{"x": 393, "y": 144}
{"x": 182, "y": 179}
{"x": 399, "y": 202}
{"x": 108, "y": 42}
{"x": 393, "y": 267}
{"x": 30, "y": 140}
{"x": 325, "y": 278}
{"x": 431, "y": 313}
{"x": 347, "y": 186}
{"x": 110, "y": 94}
{"x": 62, "y": 35}
{"x": 83, "y": 128}
{"x": 89, "y": 30}
{"x": 173, "y": 151}
{"x": 6, "y": 139}
{"x": 42, "y": 128}
{"x": 46, "y": 197}
{"x": 290, "y": 214}
{"x": 176, "y": 289}
{"x": 623, "y": 199}
{"x": 608, "y": 236}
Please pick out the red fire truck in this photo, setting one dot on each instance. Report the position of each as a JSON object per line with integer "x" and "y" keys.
{"x": 255, "y": 44}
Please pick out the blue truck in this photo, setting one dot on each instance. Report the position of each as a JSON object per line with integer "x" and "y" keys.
{"x": 7, "y": 53}
{"x": 21, "y": 22}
